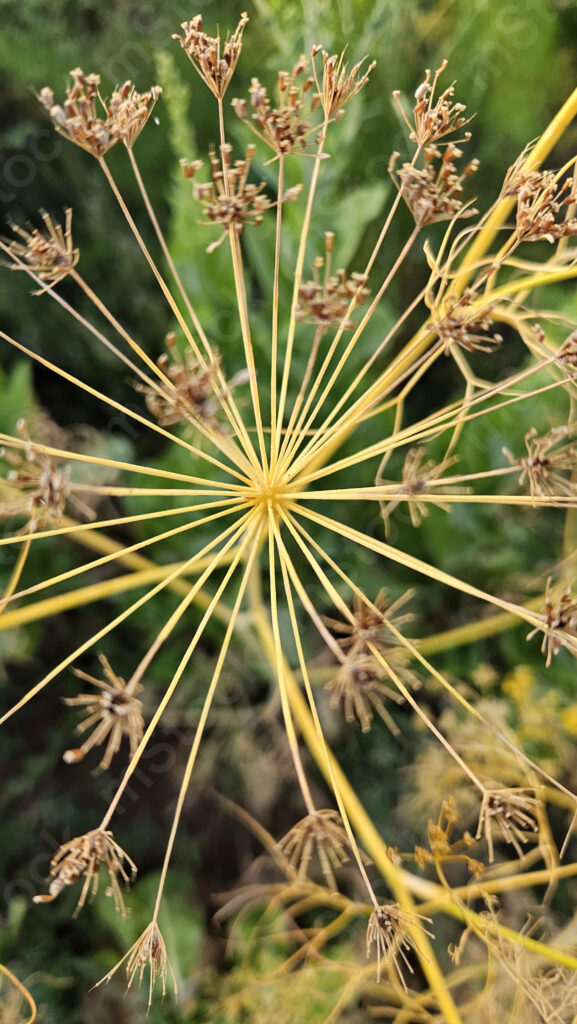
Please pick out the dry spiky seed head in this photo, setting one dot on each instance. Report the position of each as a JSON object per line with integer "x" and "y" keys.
{"x": 285, "y": 126}
{"x": 83, "y": 857}
{"x": 513, "y": 810}
{"x": 325, "y": 300}
{"x": 216, "y": 68}
{"x": 192, "y": 394}
{"x": 433, "y": 192}
{"x": 434, "y": 119}
{"x": 541, "y": 198}
{"x": 112, "y": 714}
{"x": 95, "y": 124}
{"x": 149, "y": 950}
{"x": 462, "y": 320}
{"x": 339, "y": 84}
{"x": 358, "y": 685}
{"x": 49, "y": 254}
{"x": 321, "y": 832}
{"x": 37, "y": 487}
{"x": 418, "y": 476}
{"x": 370, "y": 621}
{"x": 388, "y": 930}
{"x": 567, "y": 354}
{"x": 559, "y": 623}
{"x": 545, "y": 458}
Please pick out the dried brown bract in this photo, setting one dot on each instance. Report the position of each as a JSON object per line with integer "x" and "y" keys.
{"x": 434, "y": 118}
{"x": 433, "y": 192}
{"x": 229, "y": 199}
{"x": 285, "y": 127}
{"x": 215, "y": 64}
{"x": 513, "y": 810}
{"x": 418, "y": 476}
{"x": 112, "y": 714}
{"x": 95, "y": 124}
{"x": 559, "y": 625}
{"x": 149, "y": 950}
{"x": 321, "y": 832}
{"x": 83, "y": 857}
{"x": 325, "y": 300}
{"x": 545, "y": 460}
{"x": 462, "y": 320}
{"x": 358, "y": 685}
{"x": 370, "y": 625}
{"x": 388, "y": 930}
{"x": 48, "y": 253}
{"x": 541, "y": 198}
{"x": 339, "y": 85}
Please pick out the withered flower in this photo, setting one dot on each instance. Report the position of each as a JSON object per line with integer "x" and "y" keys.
{"x": 567, "y": 354}
{"x": 388, "y": 929}
{"x": 285, "y": 127}
{"x": 216, "y": 68}
{"x": 513, "y": 810}
{"x": 325, "y": 300}
{"x": 114, "y": 713}
{"x": 83, "y": 856}
{"x": 339, "y": 85}
{"x": 49, "y": 254}
{"x": 95, "y": 124}
{"x": 462, "y": 321}
{"x": 370, "y": 624}
{"x": 321, "y": 832}
{"x": 559, "y": 623}
{"x": 541, "y": 198}
{"x": 433, "y": 192}
{"x": 545, "y": 458}
{"x": 417, "y": 478}
{"x": 434, "y": 119}
{"x": 149, "y": 950}
{"x": 37, "y": 488}
{"x": 358, "y": 685}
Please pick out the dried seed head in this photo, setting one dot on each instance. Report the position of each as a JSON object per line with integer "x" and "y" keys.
{"x": 567, "y": 355}
{"x": 149, "y": 950}
{"x": 216, "y": 68}
{"x": 545, "y": 458}
{"x": 370, "y": 625}
{"x": 433, "y": 192}
{"x": 111, "y": 714}
{"x": 434, "y": 119}
{"x": 83, "y": 856}
{"x": 358, "y": 685}
{"x": 321, "y": 832}
{"x": 541, "y": 198}
{"x": 285, "y": 127}
{"x": 229, "y": 200}
{"x": 37, "y": 488}
{"x": 95, "y": 124}
{"x": 192, "y": 393}
{"x": 48, "y": 253}
{"x": 339, "y": 85}
{"x": 513, "y": 810}
{"x": 559, "y": 623}
{"x": 418, "y": 476}
{"x": 462, "y": 321}
{"x": 325, "y": 300}
{"x": 388, "y": 931}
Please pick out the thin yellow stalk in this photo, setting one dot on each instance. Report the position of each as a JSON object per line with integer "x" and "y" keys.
{"x": 23, "y": 992}
{"x": 205, "y": 711}
{"x": 433, "y": 497}
{"x": 16, "y": 574}
{"x": 177, "y": 676}
{"x": 274, "y": 339}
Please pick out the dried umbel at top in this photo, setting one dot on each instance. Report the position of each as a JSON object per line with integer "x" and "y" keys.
{"x": 434, "y": 191}
{"x": 434, "y": 118}
{"x": 95, "y": 124}
{"x": 215, "y": 64}
{"x": 338, "y": 84}
{"x": 286, "y": 126}
{"x": 546, "y": 458}
{"x": 49, "y": 254}
{"x": 465, "y": 320}
{"x": 544, "y": 201}
{"x": 325, "y": 300}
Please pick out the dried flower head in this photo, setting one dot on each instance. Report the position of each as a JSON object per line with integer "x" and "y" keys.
{"x": 229, "y": 199}
{"x": 434, "y": 118}
{"x": 325, "y": 300}
{"x": 513, "y": 810}
{"x": 567, "y": 354}
{"x": 49, "y": 254}
{"x": 285, "y": 127}
{"x": 462, "y": 320}
{"x": 388, "y": 930}
{"x": 36, "y": 488}
{"x": 216, "y": 68}
{"x": 112, "y": 714}
{"x": 541, "y": 198}
{"x": 321, "y": 832}
{"x": 95, "y": 124}
{"x": 83, "y": 856}
{"x": 149, "y": 950}
{"x": 546, "y": 458}
{"x": 560, "y": 623}
{"x": 417, "y": 478}
{"x": 358, "y": 685}
{"x": 339, "y": 85}
{"x": 370, "y": 625}
{"x": 433, "y": 192}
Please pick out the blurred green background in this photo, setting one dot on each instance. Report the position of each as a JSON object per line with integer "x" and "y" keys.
{"x": 515, "y": 64}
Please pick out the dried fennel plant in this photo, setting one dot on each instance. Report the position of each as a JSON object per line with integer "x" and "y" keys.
{"x": 272, "y": 442}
